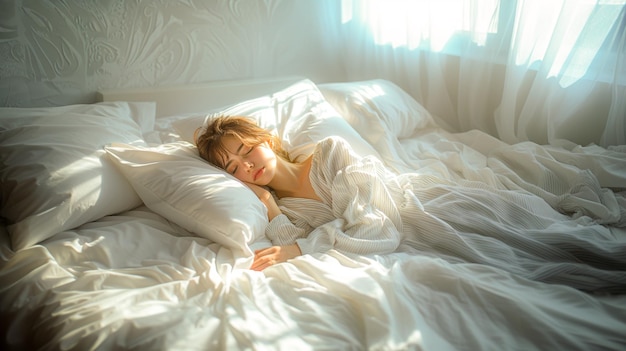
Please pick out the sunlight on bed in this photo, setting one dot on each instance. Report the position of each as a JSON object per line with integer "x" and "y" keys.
{"x": 80, "y": 245}
{"x": 373, "y": 91}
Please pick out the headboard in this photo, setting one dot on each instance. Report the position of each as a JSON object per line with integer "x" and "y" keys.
{"x": 200, "y": 97}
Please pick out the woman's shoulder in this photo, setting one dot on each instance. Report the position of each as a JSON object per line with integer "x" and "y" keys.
{"x": 333, "y": 142}
{"x": 331, "y": 155}
{"x": 334, "y": 150}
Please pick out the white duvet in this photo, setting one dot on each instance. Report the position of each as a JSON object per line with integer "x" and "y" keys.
{"x": 138, "y": 281}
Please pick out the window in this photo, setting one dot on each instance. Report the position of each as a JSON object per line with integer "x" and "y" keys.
{"x": 569, "y": 39}
{"x": 442, "y": 25}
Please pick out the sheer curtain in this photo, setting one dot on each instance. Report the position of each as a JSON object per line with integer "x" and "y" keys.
{"x": 545, "y": 71}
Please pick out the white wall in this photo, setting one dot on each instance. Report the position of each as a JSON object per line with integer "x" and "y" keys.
{"x": 55, "y": 52}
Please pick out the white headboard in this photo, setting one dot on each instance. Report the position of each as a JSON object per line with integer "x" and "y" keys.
{"x": 200, "y": 97}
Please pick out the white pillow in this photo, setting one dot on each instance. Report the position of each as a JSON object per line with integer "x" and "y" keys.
{"x": 364, "y": 103}
{"x": 173, "y": 181}
{"x": 54, "y": 175}
{"x": 299, "y": 114}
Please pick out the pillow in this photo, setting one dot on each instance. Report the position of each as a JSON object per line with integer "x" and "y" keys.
{"x": 299, "y": 114}
{"x": 364, "y": 103}
{"x": 54, "y": 174}
{"x": 173, "y": 181}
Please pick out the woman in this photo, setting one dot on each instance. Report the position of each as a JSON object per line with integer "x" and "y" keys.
{"x": 335, "y": 199}
{"x": 255, "y": 156}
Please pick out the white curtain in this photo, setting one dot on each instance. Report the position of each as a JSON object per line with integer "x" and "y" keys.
{"x": 552, "y": 72}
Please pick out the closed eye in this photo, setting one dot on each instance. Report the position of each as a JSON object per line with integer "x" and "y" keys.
{"x": 234, "y": 170}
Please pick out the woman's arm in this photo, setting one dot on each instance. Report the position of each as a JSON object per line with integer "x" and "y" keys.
{"x": 267, "y": 199}
{"x": 362, "y": 230}
{"x": 275, "y": 254}
{"x": 364, "y": 225}
{"x": 264, "y": 258}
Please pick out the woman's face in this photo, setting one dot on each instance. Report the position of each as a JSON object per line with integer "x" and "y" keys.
{"x": 254, "y": 165}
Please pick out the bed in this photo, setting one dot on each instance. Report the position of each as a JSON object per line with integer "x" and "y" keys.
{"x": 116, "y": 235}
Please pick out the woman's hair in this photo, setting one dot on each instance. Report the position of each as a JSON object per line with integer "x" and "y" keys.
{"x": 209, "y": 139}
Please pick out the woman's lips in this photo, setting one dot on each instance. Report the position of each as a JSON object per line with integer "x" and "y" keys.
{"x": 258, "y": 173}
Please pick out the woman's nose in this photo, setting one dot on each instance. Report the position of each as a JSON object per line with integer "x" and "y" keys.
{"x": 248, "y": 165}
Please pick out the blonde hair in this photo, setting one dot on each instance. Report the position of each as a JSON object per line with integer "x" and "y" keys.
{"x": 209, "y": 139}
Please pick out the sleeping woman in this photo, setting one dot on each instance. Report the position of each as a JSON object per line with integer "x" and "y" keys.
{"x": 335, "y": 199}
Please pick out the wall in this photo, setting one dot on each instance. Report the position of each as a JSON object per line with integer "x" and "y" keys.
{"x": 55, "y": 52}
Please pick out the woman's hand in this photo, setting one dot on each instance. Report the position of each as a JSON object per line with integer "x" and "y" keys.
{"x": 275, "y": 254}
{"x": 267, "y": 199}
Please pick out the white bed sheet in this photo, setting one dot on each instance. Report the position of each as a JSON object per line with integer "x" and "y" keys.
{"x": 138, "y": 281}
